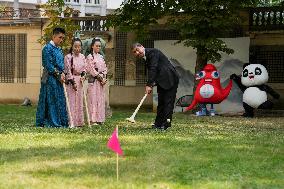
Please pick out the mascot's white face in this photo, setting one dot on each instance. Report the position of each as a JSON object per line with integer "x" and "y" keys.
{"x": 254, "y": 74}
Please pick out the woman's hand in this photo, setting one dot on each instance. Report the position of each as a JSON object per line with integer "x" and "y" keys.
{"x": 62, "y": 78}
{"x": 104, "y": 81}
{"x": 82, "y": 79}
{"x": 74, "y": 87}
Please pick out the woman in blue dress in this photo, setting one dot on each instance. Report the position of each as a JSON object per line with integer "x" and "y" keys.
{"x": 51, "y": 110}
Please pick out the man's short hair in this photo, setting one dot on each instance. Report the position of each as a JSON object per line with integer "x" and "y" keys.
{"x": 136, "y": 45}
{"x": 56, "y": 31}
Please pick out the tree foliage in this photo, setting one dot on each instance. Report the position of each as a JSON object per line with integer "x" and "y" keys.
{"x": 53, "y": 10}
{"x": 136, "y": 16}
{"x": 2, "y": 8}
{"x": 268, "y": 3}
{"x": 199, "y": 22}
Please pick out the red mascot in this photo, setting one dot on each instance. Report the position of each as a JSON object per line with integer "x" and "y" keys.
{"x": 209, "y": 89}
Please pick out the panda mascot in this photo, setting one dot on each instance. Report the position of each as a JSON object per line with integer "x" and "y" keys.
{"x": 252, "y": 84}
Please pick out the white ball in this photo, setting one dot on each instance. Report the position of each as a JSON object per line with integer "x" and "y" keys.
{"x": 206, "y": 91}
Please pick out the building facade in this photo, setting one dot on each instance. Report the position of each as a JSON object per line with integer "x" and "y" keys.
{"x": 20, "y": 55}
{"x": 88, "y": 7}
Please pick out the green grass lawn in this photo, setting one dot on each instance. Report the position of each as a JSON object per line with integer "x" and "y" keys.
{"x": 197, "y": 152}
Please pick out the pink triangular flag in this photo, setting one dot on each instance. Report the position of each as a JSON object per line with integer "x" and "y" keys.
{"x": 113, "y": 143}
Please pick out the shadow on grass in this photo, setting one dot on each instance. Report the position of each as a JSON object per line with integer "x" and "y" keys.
{"x": 247, "y": 152}
{"x": 157, "y": 158}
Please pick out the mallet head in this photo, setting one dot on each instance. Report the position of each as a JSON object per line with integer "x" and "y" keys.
{"x": 130, "y": 119}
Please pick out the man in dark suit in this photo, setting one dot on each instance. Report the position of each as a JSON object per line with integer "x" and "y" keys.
{"x": 161, "y": 73}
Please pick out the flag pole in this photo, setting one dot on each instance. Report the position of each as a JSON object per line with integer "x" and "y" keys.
{"x": 116, "y": 167}
{"x": 113, "y": 144}
{"x": 117, "y": 159}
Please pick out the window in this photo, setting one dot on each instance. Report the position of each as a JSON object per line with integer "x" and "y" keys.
{"x": 141, "y": 71}
{"x": 120, "y": 58}
{"x": 273, "y": 56}
{"x": 13, "y": 58}
{"x": 88, "y": 1}
{"x": 97, "y": 1}
{"x": 76, "y": 1}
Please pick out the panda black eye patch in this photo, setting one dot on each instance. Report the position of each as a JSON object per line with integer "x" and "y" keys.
{"x": 257, "y": 71}
{"x": 245, "y": 73}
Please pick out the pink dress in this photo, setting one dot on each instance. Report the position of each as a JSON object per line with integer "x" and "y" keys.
{"x": 73, "y": 71}
{"x": 96, "y": 95}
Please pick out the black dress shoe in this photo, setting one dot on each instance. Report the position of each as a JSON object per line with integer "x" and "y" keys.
{"x": 248, "y": 115}
{"x": 167, "y": 125}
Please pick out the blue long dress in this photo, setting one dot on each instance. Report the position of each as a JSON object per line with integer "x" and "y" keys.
{"x": 51, "y": 110}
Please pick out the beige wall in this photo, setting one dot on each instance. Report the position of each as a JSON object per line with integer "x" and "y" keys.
{"x": 33, "y": 49}
{"x": 128, "y": 95}
{"x": 16, "y": 92}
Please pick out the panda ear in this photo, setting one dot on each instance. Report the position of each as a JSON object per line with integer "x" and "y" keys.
{"x": 245, "y": 64}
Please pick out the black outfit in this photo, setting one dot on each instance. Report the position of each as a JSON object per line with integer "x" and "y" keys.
{"x": 161, "y": 73}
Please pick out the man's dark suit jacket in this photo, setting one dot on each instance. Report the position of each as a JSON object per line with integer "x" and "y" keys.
{"x": 160, "y": 70}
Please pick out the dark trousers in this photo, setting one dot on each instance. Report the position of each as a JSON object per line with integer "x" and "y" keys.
{"x": 166, "y": 102}
{"x": 249, "y": 111}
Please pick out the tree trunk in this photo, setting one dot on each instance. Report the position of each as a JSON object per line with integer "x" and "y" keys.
{"x": 199, "y": 65}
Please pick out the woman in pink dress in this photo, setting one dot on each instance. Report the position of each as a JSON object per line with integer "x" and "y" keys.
{"x": 75, "y": 69}
{"x": 97, "y": 71}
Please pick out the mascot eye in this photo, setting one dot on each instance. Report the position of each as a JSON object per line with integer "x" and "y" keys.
{"x": 245, "y": 73}
{"x": 201, "y": 74}
{"x": 215, "y": 74}
{"x": 258, "y": 71}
